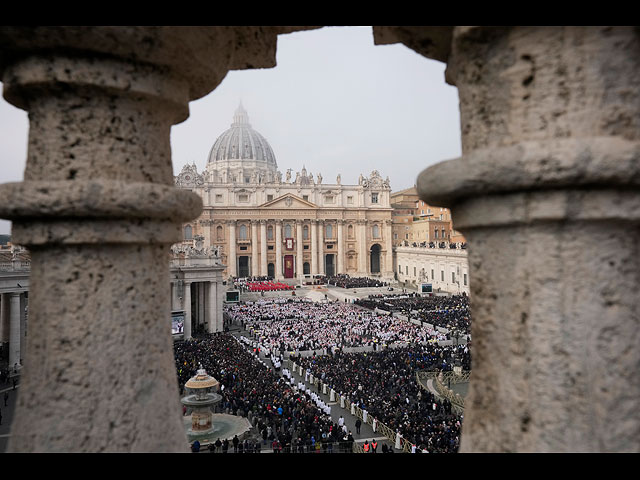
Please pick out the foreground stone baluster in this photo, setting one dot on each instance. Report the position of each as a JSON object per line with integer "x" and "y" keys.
{"x": 98, "y": 211}
{"x": 546, "y": 194}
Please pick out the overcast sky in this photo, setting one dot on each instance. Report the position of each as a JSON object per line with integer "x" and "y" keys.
{"x": 335, "y": 104}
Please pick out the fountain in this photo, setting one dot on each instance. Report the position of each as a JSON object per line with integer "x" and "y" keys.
{"x": 201, "y": 421}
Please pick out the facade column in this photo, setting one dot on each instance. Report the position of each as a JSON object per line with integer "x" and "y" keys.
{"x": 314, "y": 247}
{"x": 278, "y": 249}
{"x": 4, "y": 318}
{"x": 299, "y": 249}
{"x": 232, "y": 261}
{"x": 255, "y": 268}
{"x": 206, "y": 232}
{"x": 340, "y": 252}
{"x": 321, "y": 247}
{"x": 212, "y": 306}
{"x": 388, "y": 236}
{"x": 186, "y": 302}
{"x": 361, "y": 233}
{"x": 546, "y": 194}
{"x": 263, "y": 248}
{"x": 15, "y": 336}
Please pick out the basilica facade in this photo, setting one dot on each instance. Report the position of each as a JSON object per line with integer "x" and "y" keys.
{"x": 286, "y": 227}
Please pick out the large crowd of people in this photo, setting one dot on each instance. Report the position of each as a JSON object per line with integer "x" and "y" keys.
{"x": 450, "y": 312}
{"x": 384, "y": 384}
{"x": 287, "y": 420}
{"x": 381, "y": 381}
{"x": 347, "y": 281}
{"x": 259, "y": 284}
{"x": 298, "y": 324}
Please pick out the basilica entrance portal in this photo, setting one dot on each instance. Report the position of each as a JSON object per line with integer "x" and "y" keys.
{"x": 243, "y": 266}
{"x": 288, "y": 266}
{"x": 330, "y": 265}
{"x": 375, "y": 258}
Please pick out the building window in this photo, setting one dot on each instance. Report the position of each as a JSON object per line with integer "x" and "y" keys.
{"x": 247, "y": 179}
{"x": 442, "y": 275}
{"x": 305, "y": 197}
{"x": 350, "y": 231}
{"x": 465, "y": 278}
{"x": 399, "y": 268}
{"x": 218, "y": 198}
{"x": 406, "y": 270}
{"x": 375, "y": 231}
{"x": 287, "y": 231}
{"x": 329, "y": 231}
{"x": 242, "y": 232}
{"x": 270, "y": 232}
{"x": 305, "y": 232}
{"x": 269, "y": 247}
{"x": 269, "y": 197}
{"x": 433, "y": 274}
{"x": 414, "y": 272}
{"x": 328, "y": 199}
{"x": 188, "y": 232}
{"x": 243, "y": 197}
{"x": 374, "y": 198}
{"x": 219, "y": 234}
{"x": 436, "y": 233}
{"x": 350, "y": 200}
{"x": 453, "y": 277}
{"x": 395, "y": 236}
{"x": 305, "y": 247}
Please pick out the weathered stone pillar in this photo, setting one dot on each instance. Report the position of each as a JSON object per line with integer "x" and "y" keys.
{"x": 98, "y": 211}
{"x": 546, "y": 194}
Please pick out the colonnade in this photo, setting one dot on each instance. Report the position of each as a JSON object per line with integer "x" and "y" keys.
{"x": 13, "y": 324}
{"x": 200, "y": 301}
{"x": 312, "y": 236}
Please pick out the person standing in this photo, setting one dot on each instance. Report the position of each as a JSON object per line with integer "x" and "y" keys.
{"x": 358, "y": 424}
{"x": 374, "y": 446}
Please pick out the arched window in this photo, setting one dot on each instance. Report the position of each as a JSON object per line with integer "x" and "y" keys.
{"x": 242, "y": 232}
{"x": 287, "y": 231}
{"x": 270, "y": 232}
{"x": 219, "y": 234}
{"x": 329, "y": 231}
{"x": 375, "y": 231}
{"x": 188, "y": 232}
{"x": 305, "y": 232}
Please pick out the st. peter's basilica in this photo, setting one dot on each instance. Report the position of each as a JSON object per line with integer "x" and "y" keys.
{"x": 295, "y": 227}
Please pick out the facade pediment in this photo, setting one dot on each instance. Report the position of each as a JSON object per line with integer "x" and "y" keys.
{"x": 288, "y": 201}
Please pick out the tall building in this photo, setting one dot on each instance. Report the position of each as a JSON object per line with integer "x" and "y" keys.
{"x": 414, "y": 221}
{"x": 287, "y": 228}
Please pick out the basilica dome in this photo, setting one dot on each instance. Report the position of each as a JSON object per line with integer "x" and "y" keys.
{"x": 241, "y": 142}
